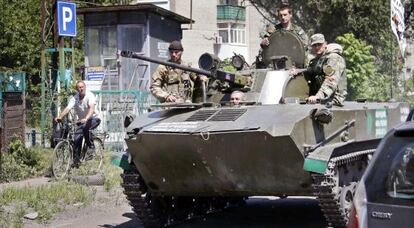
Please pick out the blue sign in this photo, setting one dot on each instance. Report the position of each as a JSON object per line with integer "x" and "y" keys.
{"x": 95, "y": 76}
{"x": 66, "y": 18}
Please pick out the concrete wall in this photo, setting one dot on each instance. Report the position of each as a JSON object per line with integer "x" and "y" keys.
{"x": 254, "y": 25}
{"x": 199, "y": 37}
{"x": 226, "y": 51}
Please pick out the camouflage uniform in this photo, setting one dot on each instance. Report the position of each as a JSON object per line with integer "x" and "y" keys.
{"x": 326, "y": 76}
{"x": 169, "y": 81}
{"x": 293, "y": 28}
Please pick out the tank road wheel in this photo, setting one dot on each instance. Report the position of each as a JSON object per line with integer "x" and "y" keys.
{"x": 336, "y": 188}
{"x": 148, "y": 209}
{"x": 159, "y": 211}
{"x": 155, "y": 211}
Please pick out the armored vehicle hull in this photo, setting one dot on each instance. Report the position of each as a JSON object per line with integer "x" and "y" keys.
{"x": 242, "y": 151}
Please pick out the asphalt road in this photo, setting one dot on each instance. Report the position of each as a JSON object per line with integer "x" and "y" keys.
{"x": 258, "y": 212}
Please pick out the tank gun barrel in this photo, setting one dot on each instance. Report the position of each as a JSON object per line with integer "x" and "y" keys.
{"x": 235, "y": 78}
{"x": 137, "y": 55}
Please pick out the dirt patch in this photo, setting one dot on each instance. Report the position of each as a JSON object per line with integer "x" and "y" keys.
{"x": 26, "y": 183}
{"x": 108, "y": 209}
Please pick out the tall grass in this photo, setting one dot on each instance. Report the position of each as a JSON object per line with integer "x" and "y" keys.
{"x": 46, "y": 200}
{"x": 112, "y": 173}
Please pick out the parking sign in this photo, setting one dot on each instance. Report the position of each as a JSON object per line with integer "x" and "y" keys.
{"x": 66, "y": 18}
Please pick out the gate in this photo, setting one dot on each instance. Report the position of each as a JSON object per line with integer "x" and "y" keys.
{"x": 12, "y": 107}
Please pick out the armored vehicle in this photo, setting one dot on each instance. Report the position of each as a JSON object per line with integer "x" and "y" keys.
{"x": 193, "y": 158}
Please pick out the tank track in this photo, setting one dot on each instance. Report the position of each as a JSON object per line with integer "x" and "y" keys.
{"x": 334, "y": 189}
{"x": 162, "y": 211}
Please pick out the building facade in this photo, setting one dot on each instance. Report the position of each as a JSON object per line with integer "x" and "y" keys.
{"x": 221, "y": 27}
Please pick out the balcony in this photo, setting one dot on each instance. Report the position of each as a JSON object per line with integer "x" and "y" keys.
{"x": 231, "y": 12}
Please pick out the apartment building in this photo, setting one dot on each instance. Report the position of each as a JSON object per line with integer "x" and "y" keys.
{"x": 221, "y": 27}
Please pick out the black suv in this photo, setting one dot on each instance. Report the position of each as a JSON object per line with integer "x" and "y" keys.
{"x": 385, "y": 195}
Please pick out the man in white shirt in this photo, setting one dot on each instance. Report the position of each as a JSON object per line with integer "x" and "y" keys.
{"x": 84, "y": 104}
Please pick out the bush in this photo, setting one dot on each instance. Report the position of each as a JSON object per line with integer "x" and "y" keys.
{"x": 21, "y": 163}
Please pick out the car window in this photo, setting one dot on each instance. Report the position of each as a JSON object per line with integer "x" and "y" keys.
{"x": 400, "y": 181}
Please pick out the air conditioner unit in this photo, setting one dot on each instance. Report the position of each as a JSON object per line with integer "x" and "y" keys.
{"x": 219, "y": 40}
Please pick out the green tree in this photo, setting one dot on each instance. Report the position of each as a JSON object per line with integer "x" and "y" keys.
{"x": 364, "y": 80}
{"x": 20, "y": 44}
{"x": 20, "y": 36}
{"x": 367, "y": 20}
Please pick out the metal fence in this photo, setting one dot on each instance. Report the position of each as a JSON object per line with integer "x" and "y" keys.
{"x": 113, "y": 106}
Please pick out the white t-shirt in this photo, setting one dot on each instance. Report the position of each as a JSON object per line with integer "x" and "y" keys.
{"x": 82, "y": 106}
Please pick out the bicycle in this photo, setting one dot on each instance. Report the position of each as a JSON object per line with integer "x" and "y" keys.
{"x": 63, "y": 153}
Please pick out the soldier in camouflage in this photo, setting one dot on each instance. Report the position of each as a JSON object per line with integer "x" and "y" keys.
{"x": 174, "y": 85}
{"x": 326, "y": 72}
{"x": 285, "y": 19}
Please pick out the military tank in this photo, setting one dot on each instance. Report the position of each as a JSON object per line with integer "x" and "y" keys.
{"x": 191, "y": 159}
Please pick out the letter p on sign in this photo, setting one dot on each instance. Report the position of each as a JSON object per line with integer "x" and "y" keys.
{"x": 66, "y": 18}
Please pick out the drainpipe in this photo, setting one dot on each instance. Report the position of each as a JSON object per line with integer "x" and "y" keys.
{"x": 191, "y": 14}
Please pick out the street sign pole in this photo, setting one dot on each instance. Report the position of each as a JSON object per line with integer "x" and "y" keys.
{"x": 64, "y": 25}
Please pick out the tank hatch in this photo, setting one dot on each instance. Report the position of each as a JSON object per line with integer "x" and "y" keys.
{"x": 285, "y": 43}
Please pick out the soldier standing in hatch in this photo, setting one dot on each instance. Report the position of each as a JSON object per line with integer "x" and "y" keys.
{"x": 285, "y": 14}
{"x": 326, "y": 72}
{"x": 174, "y": 85}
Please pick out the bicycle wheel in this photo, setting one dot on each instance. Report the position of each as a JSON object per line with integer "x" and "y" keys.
{"x": 62, "y": 159}
{"x": 93, "y": 159}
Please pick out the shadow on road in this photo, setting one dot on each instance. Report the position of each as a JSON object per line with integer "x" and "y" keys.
{"x": 258, "y": 212}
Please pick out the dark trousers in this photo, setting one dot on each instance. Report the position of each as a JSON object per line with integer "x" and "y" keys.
{"x": 85, "y": 130}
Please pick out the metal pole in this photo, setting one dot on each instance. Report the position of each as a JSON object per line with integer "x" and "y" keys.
{"x": 62, "y": 72}
{"x": 191, "y": 14}
{"x": 392, "y": 69}
{"x": 43, "y": 72}
{"x": 72, "y": 41}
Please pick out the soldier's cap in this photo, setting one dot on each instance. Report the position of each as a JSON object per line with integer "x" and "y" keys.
{"x": 317, "y": 38}
{"x": 176, "y": 45}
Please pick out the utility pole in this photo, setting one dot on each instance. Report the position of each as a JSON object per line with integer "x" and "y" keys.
{"x": 43, "y": 68}
{"x": 392, "y": 70}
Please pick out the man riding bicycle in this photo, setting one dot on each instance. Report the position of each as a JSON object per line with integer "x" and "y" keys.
{"x": 84, "y": 104}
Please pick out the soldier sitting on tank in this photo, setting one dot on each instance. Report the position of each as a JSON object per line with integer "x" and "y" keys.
{"x": 236, "y": 97}
{"x": 285, "y": 13}
{"x": 174, "y": 85}
{"x": 326, "y": 72}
